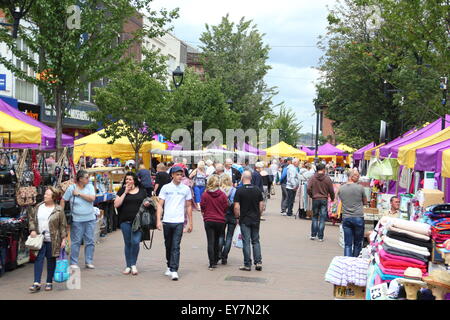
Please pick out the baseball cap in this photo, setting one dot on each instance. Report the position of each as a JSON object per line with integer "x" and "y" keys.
{"x": 176, "y": 169}
{"x": 288, "y": 159}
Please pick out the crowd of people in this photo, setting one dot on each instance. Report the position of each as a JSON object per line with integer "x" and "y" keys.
{"x": 227, "y": 194}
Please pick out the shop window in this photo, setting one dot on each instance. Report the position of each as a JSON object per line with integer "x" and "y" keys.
{"x": 25, "y": 91}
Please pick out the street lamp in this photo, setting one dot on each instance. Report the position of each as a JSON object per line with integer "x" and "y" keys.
{"x": 177, "y": 77}
{"x": 230, "y": 103}
{"x": 319, "y": 109}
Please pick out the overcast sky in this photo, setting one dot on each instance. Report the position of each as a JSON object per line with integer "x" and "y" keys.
{"x": 291, "y": 29}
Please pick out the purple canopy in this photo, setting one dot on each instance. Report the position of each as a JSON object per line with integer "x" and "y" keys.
{"x": 329, "y": 150}
{"x": 359, "y": 154}
{"x": 48, "y": 134}
{"x": 308, "y": 151}
{"x": 173, "y": 146}
{"x": 430, "y": 158}
{"x": 249, "y": 148}
{"x": 392, "y": 147}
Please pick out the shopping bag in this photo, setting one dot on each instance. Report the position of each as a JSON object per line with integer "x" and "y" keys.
{"x": 237, "y": 238}
{"x": 62, "y": 268}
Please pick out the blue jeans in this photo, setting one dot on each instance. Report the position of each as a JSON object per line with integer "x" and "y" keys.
{"x": 45, "y": 252}
{"x": 225, "y": 242}
{"x": 353, "y": 235}
{"x": 250, "y": 234}
{"x": 290, "y": 200}
{"x": 173, "y": 232}
{"x": 132, "y": 241}
{"x": 198, "y": 191}
{"x": 82, "y": 231}
{"x": 320, "y": 213}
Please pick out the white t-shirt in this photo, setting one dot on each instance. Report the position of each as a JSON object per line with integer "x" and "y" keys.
{"x": 175, "y": 197}
{"x": 210, "y": 171}
{"x": 43, "y": 215}
{"x": 229, "y": 172}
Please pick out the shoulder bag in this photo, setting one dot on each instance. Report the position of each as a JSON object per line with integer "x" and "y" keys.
{"x": 35, "y": 243}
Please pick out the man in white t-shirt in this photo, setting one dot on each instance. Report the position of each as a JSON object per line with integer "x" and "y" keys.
{"x": 175, "y": 198}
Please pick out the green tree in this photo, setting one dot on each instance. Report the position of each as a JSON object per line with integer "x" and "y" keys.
{"x": 73, "y": 57}
{"x": 387, "y": 70}
{"x": 287, "y": 124}
{"x": 236, "y": 55}
{"x": 201, "y": 100}
{"x": 138, "y": 100}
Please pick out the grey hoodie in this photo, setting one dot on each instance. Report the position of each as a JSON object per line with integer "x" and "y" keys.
{"x": 293, "y": 177}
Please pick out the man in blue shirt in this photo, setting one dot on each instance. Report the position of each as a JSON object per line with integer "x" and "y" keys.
{"x": 283, "y": 182}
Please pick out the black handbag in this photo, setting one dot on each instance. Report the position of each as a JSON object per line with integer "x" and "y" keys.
{"x": 45, "y": 175}
{"x": 6, "y": 177}
{"x": 7, "y": 174}
{"x": 9, "y": 208}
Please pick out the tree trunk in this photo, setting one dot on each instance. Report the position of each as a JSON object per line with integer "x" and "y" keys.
{"x": 59, "y": 120}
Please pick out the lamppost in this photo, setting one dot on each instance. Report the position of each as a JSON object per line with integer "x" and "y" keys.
{"x": 319, "y": 109}
{"x": 177, "y": 77}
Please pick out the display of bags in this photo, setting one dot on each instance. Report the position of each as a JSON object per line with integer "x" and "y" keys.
{"x": 62, "y": 268}
{"x": 9, "y": 208}
{"x": 26, "y": 196}
{"x": 237, "y": 238}
{"x": 7, "y": 174}
{"x": 35, "y": 243}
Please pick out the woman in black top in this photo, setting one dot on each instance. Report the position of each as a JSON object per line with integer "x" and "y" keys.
{"x": 128, "y": 201}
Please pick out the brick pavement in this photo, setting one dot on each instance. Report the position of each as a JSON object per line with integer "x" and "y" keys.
{"x": 293, "y": 268}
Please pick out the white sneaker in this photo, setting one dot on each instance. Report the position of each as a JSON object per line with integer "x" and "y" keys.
{"x": 312, "y": 238}
{"x": 74, "y": 266}
{"x": 175, "y": 275}
{"x": 283, "y": 214}
{"x": 168, "y": 272}
{"x": 90, "y": 266}
{"x": 127, "y": 270}
{"x": 134, "y": 270}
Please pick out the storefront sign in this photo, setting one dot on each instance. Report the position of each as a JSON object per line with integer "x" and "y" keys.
{"x": 77, "y": 116}
{"x": 3, "y": 82}
{"x": 30, "y": 110}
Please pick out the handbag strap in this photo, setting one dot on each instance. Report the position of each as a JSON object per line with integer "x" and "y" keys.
{"x": 62, "y": 254}
{"x": 151, "y": 241}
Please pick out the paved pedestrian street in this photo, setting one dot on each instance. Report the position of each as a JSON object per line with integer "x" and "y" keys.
{"x": 293, "y": 268}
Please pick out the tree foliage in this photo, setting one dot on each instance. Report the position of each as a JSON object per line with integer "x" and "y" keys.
{"x": 235, "y": 55}
{"x": 138, "y": 100}
{"x": 72, "y": 57}
{"x": 383, "y": 61}
{"x": 287, "y": 124}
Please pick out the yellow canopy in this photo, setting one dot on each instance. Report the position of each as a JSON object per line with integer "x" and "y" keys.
{"x": 368, "y": 153}
{"x": 282, "y": 149}
{"x": 97, "y": 147}
{"x": 21, "y": 132}
{"x": 446, "y": 163}
{"x": 345, "y": 148}
{"x": 407, "y": 154}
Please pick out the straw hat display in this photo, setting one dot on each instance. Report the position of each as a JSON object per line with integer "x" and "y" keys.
{"x": 439, "y": 278}
{"x": 413, "y": 276}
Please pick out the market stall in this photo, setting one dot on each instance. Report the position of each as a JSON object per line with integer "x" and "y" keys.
{"x": 282, "y": 149}
{"x": 18, "y": 134}
{"x": 328, "y": 152}
{"x": 48, "y": 135}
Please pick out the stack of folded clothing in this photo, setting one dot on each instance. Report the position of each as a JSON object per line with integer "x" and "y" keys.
{"x": 400, "y": 244}
{"x": 343, "y": 271}
{"x": 438, "y": 216}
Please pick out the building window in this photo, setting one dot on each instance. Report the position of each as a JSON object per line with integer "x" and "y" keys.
{"x": 24, "y": 90}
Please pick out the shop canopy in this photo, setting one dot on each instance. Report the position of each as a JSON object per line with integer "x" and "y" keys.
{"x": 376, "y": 149}
{"x": 391, "y": 149}
{"x": 407, "y": 153}
{"x": 23, "y": 135}
{"x": 430, "y": 158}
{"x": 249, "y": 148}
{"x": 308, "y": 151}
{"x": 97, "y": 147}
{"x": 48, "y": 134}
{"x": 446, "y": 163}
{"x": 359, "y": 154}
{"x": 329, "y": 150}
{"x": 283, "y": 149}
{"x": 345, "y": 148}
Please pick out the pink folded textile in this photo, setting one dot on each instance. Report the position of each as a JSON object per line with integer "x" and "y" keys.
{"x": 411, "y": 233}
{"x": 387, "y": 256}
